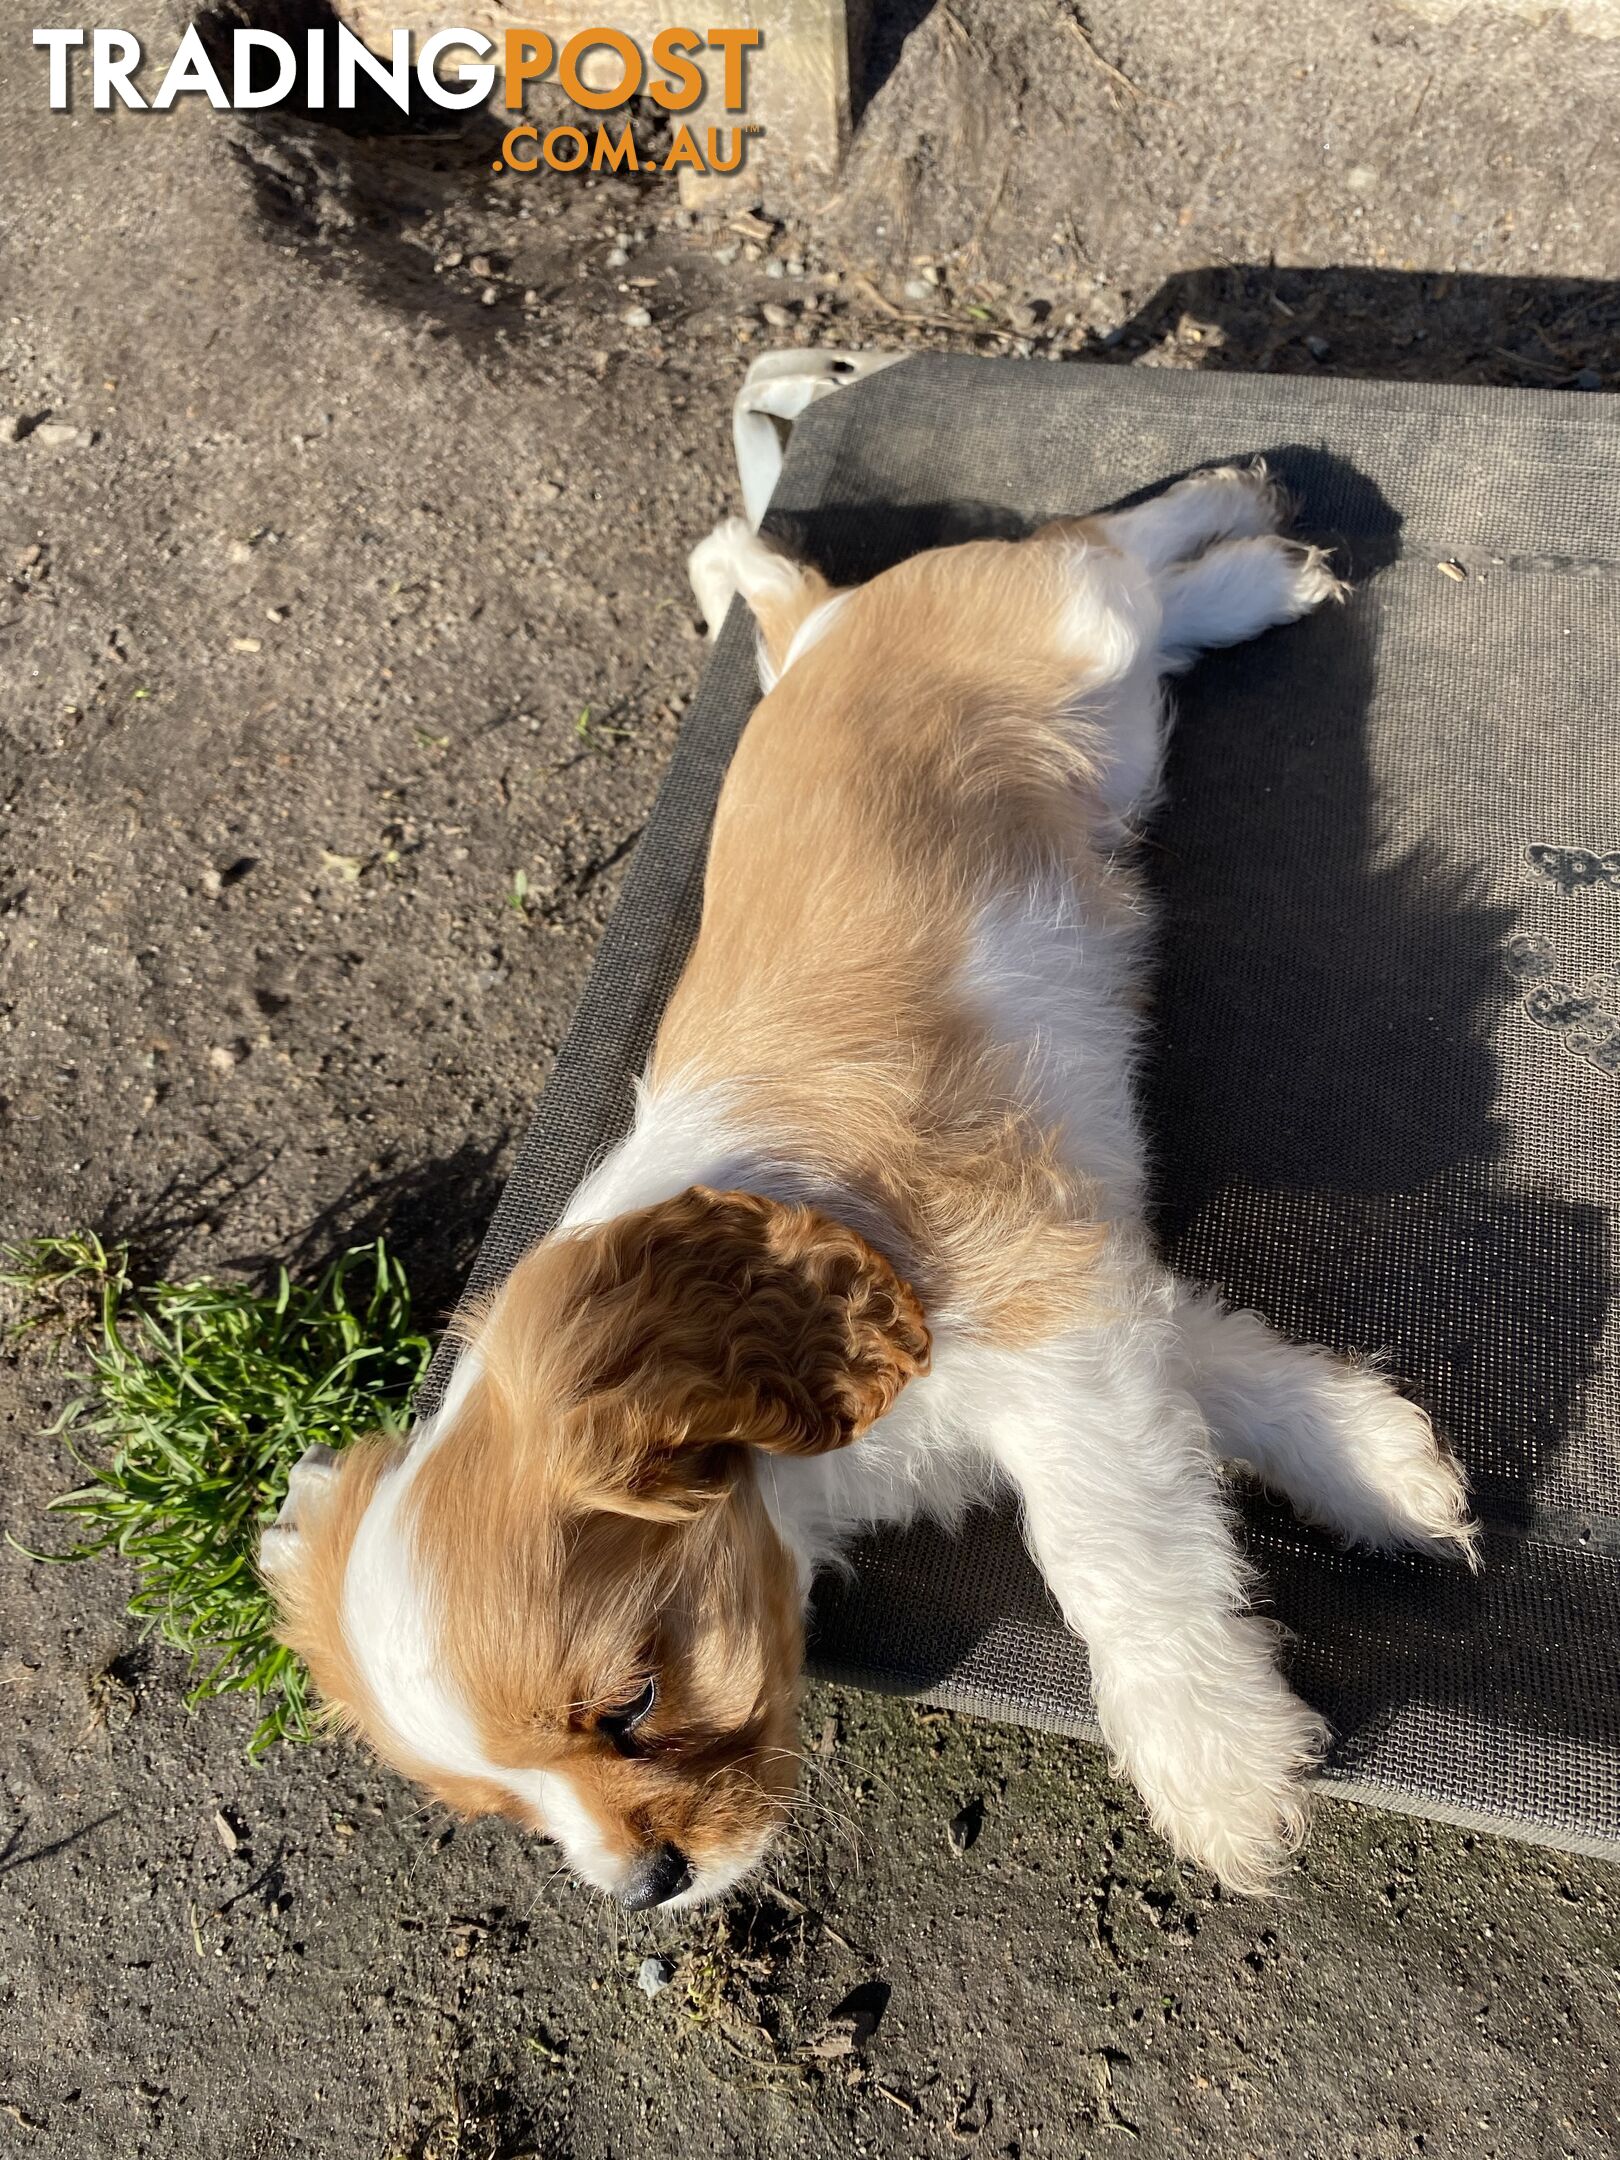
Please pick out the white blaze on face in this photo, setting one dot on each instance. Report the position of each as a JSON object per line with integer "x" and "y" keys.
{"x": 391, "y": 1619}
{"x": 567, "y": 1819}
{"x": 718, "y": 1874}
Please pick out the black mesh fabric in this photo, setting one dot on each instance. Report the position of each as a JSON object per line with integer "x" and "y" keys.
{"x": 1384, "y": 1083}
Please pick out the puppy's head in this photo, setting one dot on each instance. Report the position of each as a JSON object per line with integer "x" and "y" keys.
{"x": 564, "y": 1600}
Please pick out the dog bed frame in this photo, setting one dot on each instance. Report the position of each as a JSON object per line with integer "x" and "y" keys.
{"x": 1383, "y": 1081}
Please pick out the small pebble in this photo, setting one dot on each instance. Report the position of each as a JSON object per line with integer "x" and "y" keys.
{"x": 275, "y": 614}
{"x": 1318, "y": 347}
{"x": 490, "y": 294}
{"x": 1453, "y": 570}
{"x": 775, "y": 269}
{"x": 58, "y": 435}
{"x": 727, "y": 255}
{"x": 547, "y": 491}
{"x": 247, "y": 644}
{"x": 239, "y": 551}
{"x": 481, "y": 266}
{"x": 918, "y": 289}
{"x": 450, "y": 260}
{"x": 779, "y": 317}
{"x": 222, "y": 1059}
{"x": 637, "y": 318}
{"x": 531, "y": 297}
{"x": 224, "y": 1828}
{"x": 653, "y": 1976}
{"x": 617, "y": 258}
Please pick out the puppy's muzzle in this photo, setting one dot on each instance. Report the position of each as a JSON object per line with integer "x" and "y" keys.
{"x": 655, "y": 1878}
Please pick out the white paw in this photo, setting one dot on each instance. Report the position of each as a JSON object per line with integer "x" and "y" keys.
{"x": 310, "y": 1478}
{"x": 1239, "y": 1804}
{"x": 1218, "y": 1745}
{"x": 1311, "y": 580}
{"x": 1412, "y": 1491}
{"x": 712, "y": 569}
{"x": 1237, "y": 589}
{"x": 1239, "y": 502}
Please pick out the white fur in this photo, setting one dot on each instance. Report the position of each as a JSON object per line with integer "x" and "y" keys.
{"x": 1109, "y": 1451}
{"x": 734, "y": 559}
{"x": 391, "y": 1621}
{"x": 1112, "y": 616}
{"x": 1228, "y": 502}
{"x": 813, "y": 629}
{"x": 563, "y": 1816}
{"x": 391, "y": 1624}
{"x": 1333, "y": 1439}
{"x": 715, "y": 568}
{"x": 680, "y": 1136}
{"x": 1055, "y": 978}
{"x": 1235, "y": 591}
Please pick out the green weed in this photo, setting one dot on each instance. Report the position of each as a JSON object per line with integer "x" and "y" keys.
{"x": 195, "y": 1401}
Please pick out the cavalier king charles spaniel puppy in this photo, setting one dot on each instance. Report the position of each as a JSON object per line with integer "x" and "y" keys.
{"x": 874, "y": 1247}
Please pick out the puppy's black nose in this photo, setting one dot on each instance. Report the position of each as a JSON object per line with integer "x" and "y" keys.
{"x": 656, "y": 1877}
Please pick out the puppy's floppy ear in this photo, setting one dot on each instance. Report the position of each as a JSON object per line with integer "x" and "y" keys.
{"x": 720, "y": 1319}
{"x": 781, "y": 593}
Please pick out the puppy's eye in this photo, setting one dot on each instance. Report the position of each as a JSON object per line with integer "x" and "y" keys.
{"x": 620, "y": 1725}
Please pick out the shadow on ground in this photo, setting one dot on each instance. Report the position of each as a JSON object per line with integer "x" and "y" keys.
{"x": 1414, "y": 326}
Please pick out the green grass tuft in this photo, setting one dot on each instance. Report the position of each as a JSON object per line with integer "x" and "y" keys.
{"x": 196, "y": 1401}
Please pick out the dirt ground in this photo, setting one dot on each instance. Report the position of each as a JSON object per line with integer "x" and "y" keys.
{"x": 355, "y": 590}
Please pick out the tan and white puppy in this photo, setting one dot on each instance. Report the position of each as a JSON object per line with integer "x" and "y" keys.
{"x": 873, "y": 1248}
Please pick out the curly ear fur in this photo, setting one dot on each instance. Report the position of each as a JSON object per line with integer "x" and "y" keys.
{"x": 715, "y": 1319}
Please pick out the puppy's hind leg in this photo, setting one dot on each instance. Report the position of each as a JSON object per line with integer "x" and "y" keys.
{"x": 1231, "y": 502}
{"x": 1237, "y": 589}
{"x": 782, "y": 595}
{"x": 1333, "y": 1439}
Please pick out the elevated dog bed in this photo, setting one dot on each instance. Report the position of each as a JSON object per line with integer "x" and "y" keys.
{"x": 1384, "y": 1084}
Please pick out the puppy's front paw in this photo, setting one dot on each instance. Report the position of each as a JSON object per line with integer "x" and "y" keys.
{"x": 1224, "y": 1769}
{"x": 1251, "y": 1813}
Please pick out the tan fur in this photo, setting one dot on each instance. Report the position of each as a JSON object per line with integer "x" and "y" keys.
{"x": 922, "y": 760}
{"x": 777, "y": 615}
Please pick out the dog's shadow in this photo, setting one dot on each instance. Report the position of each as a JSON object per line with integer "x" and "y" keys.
{"x": 1323, "y": 1104}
